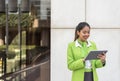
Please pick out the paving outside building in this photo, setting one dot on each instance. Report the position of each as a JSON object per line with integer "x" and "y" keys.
{"x": 25, "y": 40}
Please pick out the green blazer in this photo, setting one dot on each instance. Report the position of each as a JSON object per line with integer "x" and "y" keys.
{"x": 75, "y": 56}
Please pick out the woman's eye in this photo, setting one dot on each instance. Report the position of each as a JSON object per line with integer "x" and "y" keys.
{"x": 86, "y": 32}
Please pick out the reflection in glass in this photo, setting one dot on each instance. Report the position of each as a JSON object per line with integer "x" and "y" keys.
{"x": 35, "y": 43}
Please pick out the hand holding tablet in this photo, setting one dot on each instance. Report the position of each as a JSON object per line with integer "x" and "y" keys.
{"x": 97, "y": 54}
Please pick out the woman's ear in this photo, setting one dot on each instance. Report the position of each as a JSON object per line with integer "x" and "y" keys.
{"x": 78, "y": 32}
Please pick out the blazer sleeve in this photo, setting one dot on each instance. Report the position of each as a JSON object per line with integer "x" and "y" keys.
{"x": 99, "y": 64}
{"x": 71, "y": 62}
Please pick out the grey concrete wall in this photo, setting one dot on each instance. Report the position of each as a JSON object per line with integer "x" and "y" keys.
{"x": 104, "y": 18}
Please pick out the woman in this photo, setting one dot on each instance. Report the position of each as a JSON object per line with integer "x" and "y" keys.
{"x": 78, "y": 50}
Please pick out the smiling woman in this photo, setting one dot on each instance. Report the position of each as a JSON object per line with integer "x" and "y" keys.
{"x": 85, "y": 27}
{"x": 83, "y": 70}
{"x": 84, "y": 33}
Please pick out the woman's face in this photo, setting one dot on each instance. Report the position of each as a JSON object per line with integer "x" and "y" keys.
{"x": 84, "y": 33}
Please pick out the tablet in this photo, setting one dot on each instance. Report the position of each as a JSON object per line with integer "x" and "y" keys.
{"x": 93, "y": 54}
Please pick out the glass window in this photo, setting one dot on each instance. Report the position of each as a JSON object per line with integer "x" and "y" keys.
{"x": 25, "y": 42}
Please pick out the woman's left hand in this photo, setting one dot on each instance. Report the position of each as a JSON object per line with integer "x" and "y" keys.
{"x": 102, "y": 57}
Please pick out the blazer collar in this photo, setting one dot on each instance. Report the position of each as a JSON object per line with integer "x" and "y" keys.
{"x": 78, "y": 44}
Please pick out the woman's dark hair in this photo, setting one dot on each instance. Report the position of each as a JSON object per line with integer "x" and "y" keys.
{"x": 79, "y": 27}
